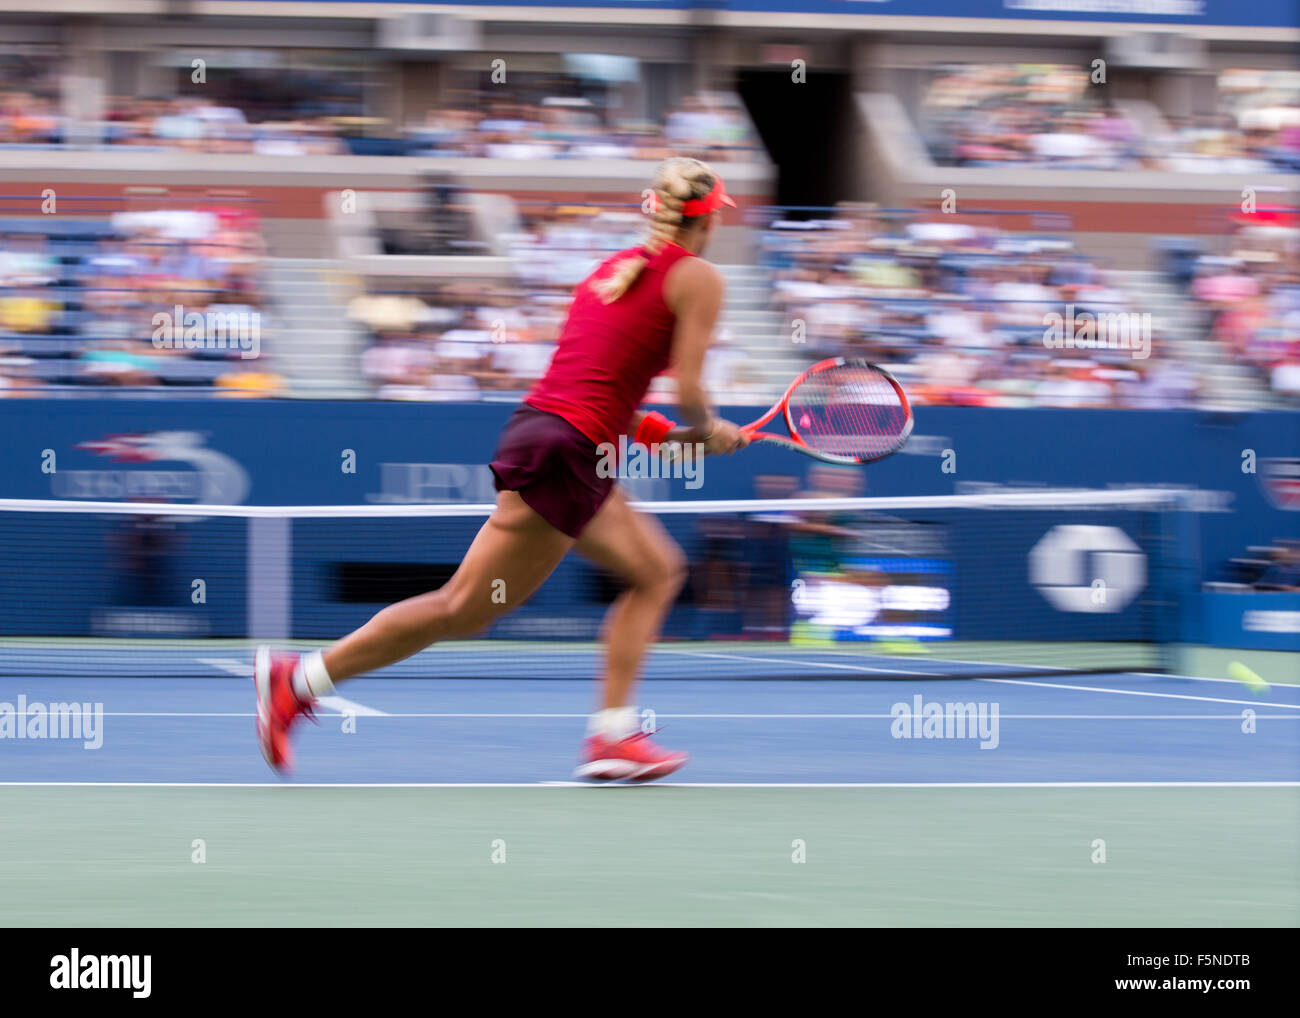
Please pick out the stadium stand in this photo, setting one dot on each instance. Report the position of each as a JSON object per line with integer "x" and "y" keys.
{"x": 1052, "y": 117}
{"x": 95, "y": 302}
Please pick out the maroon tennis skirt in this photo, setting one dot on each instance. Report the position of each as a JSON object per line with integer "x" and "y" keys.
{"x": 553, "y": 467}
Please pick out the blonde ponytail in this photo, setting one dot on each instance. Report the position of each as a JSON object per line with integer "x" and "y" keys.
{"x": 677, "y": 181}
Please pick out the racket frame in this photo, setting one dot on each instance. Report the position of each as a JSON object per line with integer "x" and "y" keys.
{"x": 795, "y": 441}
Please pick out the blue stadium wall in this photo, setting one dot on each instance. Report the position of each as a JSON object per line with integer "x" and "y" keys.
{"x": 1154, "y": 12}
{"x": 305, "y": 453}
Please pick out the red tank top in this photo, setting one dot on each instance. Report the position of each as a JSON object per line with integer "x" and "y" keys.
{"x": 608, "y": 353}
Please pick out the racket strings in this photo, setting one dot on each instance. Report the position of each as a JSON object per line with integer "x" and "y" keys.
{"x": 849, "y": 410}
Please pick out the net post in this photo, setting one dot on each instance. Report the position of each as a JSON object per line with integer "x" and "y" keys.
{"x": 1182, "y": 628}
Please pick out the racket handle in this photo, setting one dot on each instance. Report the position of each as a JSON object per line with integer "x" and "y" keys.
{"x": 790, "y": 443}
{"x": 781, "y": 440}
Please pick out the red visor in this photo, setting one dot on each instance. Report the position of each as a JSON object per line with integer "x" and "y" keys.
{"x": 709, "y": 203}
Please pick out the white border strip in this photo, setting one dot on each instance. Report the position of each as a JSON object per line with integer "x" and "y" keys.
{"x": 1054, "y": 499}
{"x": 1141, "y": 692}
{"x": 659, "y": 784}
{"x": 339, "y": 707}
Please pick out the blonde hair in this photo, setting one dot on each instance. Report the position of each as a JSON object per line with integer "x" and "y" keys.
{"x": 676, "y": 182}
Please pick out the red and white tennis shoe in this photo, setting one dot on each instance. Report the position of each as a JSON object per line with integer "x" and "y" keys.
{"x": 635, "y": 758}
{"x": 278, "y": 706}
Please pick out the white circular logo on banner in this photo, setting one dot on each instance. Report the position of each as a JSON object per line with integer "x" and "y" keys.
{"x": 1087, "y": 568}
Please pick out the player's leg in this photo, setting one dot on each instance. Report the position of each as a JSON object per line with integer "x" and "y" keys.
{"x": 638, "y": 550}
{"x": 514, "y": 552}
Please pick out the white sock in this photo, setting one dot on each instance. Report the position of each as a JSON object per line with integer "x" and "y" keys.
{"x": 310, "y": 679}
{"x": 614, "y": 722}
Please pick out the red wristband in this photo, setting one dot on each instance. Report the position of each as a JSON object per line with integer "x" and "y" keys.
{"x": 653, "y": 429}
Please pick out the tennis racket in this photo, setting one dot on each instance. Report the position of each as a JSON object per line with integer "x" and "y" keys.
{"x": 841, "y": 411}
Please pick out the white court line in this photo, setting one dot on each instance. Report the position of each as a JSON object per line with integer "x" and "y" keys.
{"x": 229, "y": 664}
{"x": 370, "y": 712}
{"x": 660, "y": 784}
{"x": 794, "y": 660}
{"x": 1140, "y": 692}
{"x": 1022, "y": 682}
{"x": 245, "y": 670}
{"x": 174, "y": 714}
{"x": 1204, "y": 678}
{"x": 1007, "y": 664}
{"x": 345, "y": 706}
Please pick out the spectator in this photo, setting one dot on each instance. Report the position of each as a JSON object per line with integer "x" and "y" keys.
{"x": 1284, "y": 572}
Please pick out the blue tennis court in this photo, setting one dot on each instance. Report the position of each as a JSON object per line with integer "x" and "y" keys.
{"x": 757, "y": 725}
{"x": 1099, "y": 800}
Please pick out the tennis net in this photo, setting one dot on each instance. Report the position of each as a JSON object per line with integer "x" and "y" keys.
{"x": 944, "y": 586}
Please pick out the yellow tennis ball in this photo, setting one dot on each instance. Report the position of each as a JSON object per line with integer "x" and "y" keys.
{"x": 1240, "y": 673}
{"x": 805, "y": 634}
{"x": 903, "y": 645}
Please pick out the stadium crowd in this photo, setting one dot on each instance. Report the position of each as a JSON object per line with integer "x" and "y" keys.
{"x": 1052, "y": 117}
{"x": 1249, "y": 301}
{"x": 81, "y": 300}
{"x": 471, "y": 339}
{"x": 1270, "y": 567}
{"x": 457, "y": 341}
{"x": 556, "y": 127}
{"x": 972, "y": 115}
{"x": 959, "y": 312}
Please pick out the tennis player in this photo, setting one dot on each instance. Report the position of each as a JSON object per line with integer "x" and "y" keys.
{"x": 639, "y": 312}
